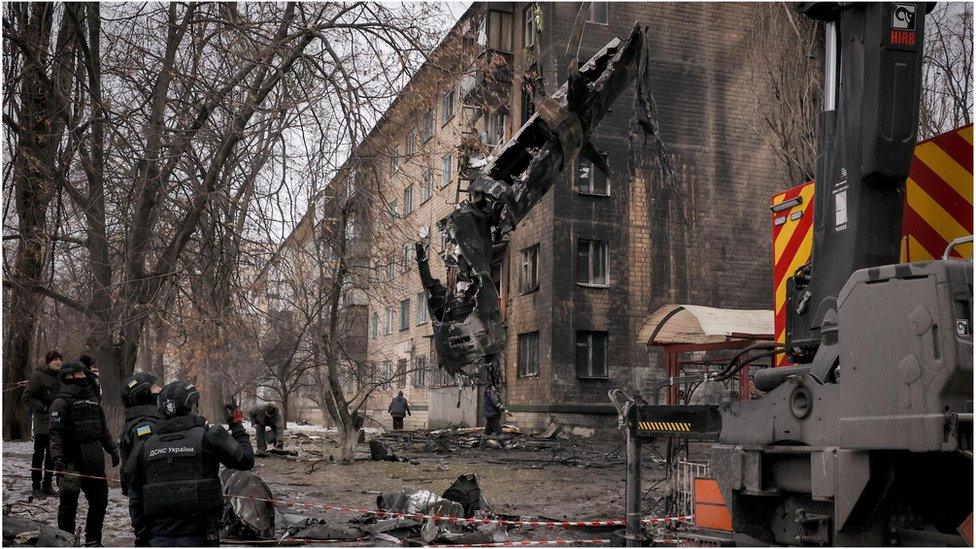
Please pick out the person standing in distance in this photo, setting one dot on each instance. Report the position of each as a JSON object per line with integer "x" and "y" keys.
{"x": 173, "y": 482}
{"x": 79, "y": 435}
{"x": 42, "y": 389}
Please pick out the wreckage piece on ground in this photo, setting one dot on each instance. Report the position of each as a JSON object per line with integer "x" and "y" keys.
{"x": 468, "y": 329}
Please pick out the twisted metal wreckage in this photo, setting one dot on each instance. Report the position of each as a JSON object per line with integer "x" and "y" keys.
{"x": 469, "y": 333}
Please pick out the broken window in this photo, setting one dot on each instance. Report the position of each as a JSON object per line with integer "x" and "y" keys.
{"x": 420, "y": 372}
{"x": 406, "y": 258}
{"x": 427, "y": 128}
{"x": 528, "y": 354}
{"x": 447, "y": 106}
{"x": 374, "y": 326}
{"x": 389, "y": 320}
{"x": 408, "y": 200}
{"x": 590, "y": 179}
{"x": 405, "y": 314}
{"x": 528, "y": 26}
{"x": 529, "y": 271}
{"x": 422, "y": 308}
{"x": 401, "y": 373}
{"x": 591, "y": 354}
{"x": 497, "y": 30}
{"x": 599, "y": 13}
{"x": 591, "y": 262}
{"x": 426, "y": 184}
{"x": 447, "y": 169}
{"x": 528, "y": 104}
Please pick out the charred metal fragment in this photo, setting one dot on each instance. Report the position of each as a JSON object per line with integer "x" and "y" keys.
{"x": 469, "y": 332}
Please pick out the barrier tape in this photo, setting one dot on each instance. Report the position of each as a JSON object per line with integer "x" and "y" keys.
{"x": 530, "y": 542}
{"x": 14, "y": 386}
{"x": 420, "y": 517}
{"x": 24, "y": 382}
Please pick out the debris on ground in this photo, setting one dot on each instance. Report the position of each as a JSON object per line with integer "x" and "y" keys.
{"x": 247, "y": 514}
{"x": 22, "y": 532}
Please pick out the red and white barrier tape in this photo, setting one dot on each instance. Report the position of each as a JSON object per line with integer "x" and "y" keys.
{"x": 420, "y": 517}
{"x": 531, "y": 542}
{"x": 13, "y": 386}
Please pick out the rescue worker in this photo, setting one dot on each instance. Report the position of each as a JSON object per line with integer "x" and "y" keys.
{"x": 264, "y": 417}
{"x": 139, "y": 396}
{"x": 399, "y": 408}
{"x": 174, "y": 491}
{"x": 493, "y": 411}
{"x": 42, "y": 389}
{"x": 79, "y": 435}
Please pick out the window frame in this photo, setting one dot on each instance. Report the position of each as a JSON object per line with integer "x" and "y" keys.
{"x": 423, "y": 315}
{"x": 405, "y": 314}
{"x": 592, "y": 243}
{"x": 408, "y": 200}
{"x": 594, "y": 172}
{"x": 448, "y": 99}
{"x": 490, "y": 40}
{"x": 374, "y": 326}
{"x": 426, "y": 184}
{"x": 528, "y": 26}
{"x": 406, "y": 257}
{"x": 388, "y": 329}
{"x": 524, "y": 286}
{"x": 523, "y": 341}
{"x": 394, "y": 160}
{"x": 420, "y": 372}
{"x": 590, "y": 16}
{"x": 589, "y": 346}
{"x": 400, "y": 376}
{"x": 411, "y": 143}
{"x": 527, "y": 104}
{"x": 427, "y": 126}
{"x": 448, "y": 160}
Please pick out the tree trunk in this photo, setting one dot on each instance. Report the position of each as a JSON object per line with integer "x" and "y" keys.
{"x": 350, "y": 440}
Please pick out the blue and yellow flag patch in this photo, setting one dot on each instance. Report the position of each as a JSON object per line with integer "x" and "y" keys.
{"x": 143, "y": 430}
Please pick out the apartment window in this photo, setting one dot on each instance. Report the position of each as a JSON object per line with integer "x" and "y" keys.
{"x": 528, "y": 354}
{"x": 591, "y": 354}
{"x": 394, "y": 160}
{"x": 391, "y": 269}
{"x": 447, "y": 169}
{"x": 495, "y": 128}
{"x": 447, "y": 106}
{"x": 387, "y": 373}
{"x": 498, "y": 26}
{"x": 528, "y": 26}
{"x": 408, "y": 200}
{"x": 529, "y": 269}
{"x": 405, "y": 314}
{"x": 599, "y": 13}
{"x": 591, "y": 262}
{"x": 528, "y": 104}
{"x": 389, "y": 321}
{"x": 407, "y": 258}
{"x": 427, "y": 128}
{"x": 426, "y": 184}
{"x": 374, "y": 326}
{"x": 401, "y": 373}
{"x": 422, "y": 308}
{"x": 411, "y": 143}
{"x": 590, "y": 179}
{"x": 420, "y": 372}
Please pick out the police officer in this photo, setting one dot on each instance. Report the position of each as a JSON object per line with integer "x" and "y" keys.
{"x": 264, "y": 417}
{"x": 139, "y": 396}
{"x": 79, "y": 435}
{"x": 173, "y": 484}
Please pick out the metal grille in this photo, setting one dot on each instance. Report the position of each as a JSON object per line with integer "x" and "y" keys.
{"x": 683, "y": 485}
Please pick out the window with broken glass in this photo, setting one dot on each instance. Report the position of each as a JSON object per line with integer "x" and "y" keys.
{"x": 420, "y": 372}
{"x": 529, "y": 269}
{"x": 406, "y": 257}
{"x": 528, "y": 104}
{"x": 495, "y": 128}
{"x": 405, "y": 314}
{"x": 447, "y": 106}
{"x": 408, "y": 200}
{"x": 447, "y": 169}
{"x": 528, "y": 354}
{"x": 422, "y": 308}
{"x": 591, "y": 262}
{"x": 427, "y": 127}
{"x": 590, "y": 179}
{"x": 591, "y": 354}
{"x": 426, "y": 185}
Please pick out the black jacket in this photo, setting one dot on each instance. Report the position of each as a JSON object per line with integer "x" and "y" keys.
{"x": 233, "y": 450}
{"x": 42, "y": 389}
{"x": 399, "y": 407}
{"x": 79, "y": 431}
{"x": 140, "y": 422}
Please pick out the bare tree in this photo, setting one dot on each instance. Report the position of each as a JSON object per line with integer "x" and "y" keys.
{"x": 947, "y": 70}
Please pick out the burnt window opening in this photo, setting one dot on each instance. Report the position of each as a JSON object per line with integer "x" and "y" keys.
{"x": 599, "y": 13}
{"x": 447, "y": 106}
{"x": 591, "y": 262}
{"x": 529, "y": 269}
{"x": 426, "y": 185}
{"x": 447, "y": 169}
{"x": 527, "y": 104}
{"x": 408, "y": 200}
{"x": 389, "y": 321}
{"x": 528, "y": 354}
{"x": 528, "y": 26}
{"x": 590, "y": 179}
{"x": 427, "y": 128}
{"x": 422, "y": 308}
{"x": 591, "y": 355}
{"x": 494, "y": 133}
{"x": 405, "y": 314}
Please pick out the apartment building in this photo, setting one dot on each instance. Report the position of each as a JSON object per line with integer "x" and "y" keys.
{"x": 599, "y": 253}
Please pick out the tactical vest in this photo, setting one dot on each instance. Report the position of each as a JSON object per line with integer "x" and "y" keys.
{"x": 135, "y": 430}
{"x": 86, "y": 421}
{"x": 176, "y": 480}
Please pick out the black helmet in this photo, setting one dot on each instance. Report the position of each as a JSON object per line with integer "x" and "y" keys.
{"x": 136, "y": 390}
{"x": 71, "y": 368}
{"x": 178, "y": 398}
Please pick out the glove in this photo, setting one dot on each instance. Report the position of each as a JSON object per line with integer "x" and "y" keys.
{"x": 115, "y": 458}
{"x": 233, "y": 414}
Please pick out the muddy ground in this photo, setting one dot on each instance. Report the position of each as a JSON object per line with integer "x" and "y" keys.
{"x": 575, "y": 479}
